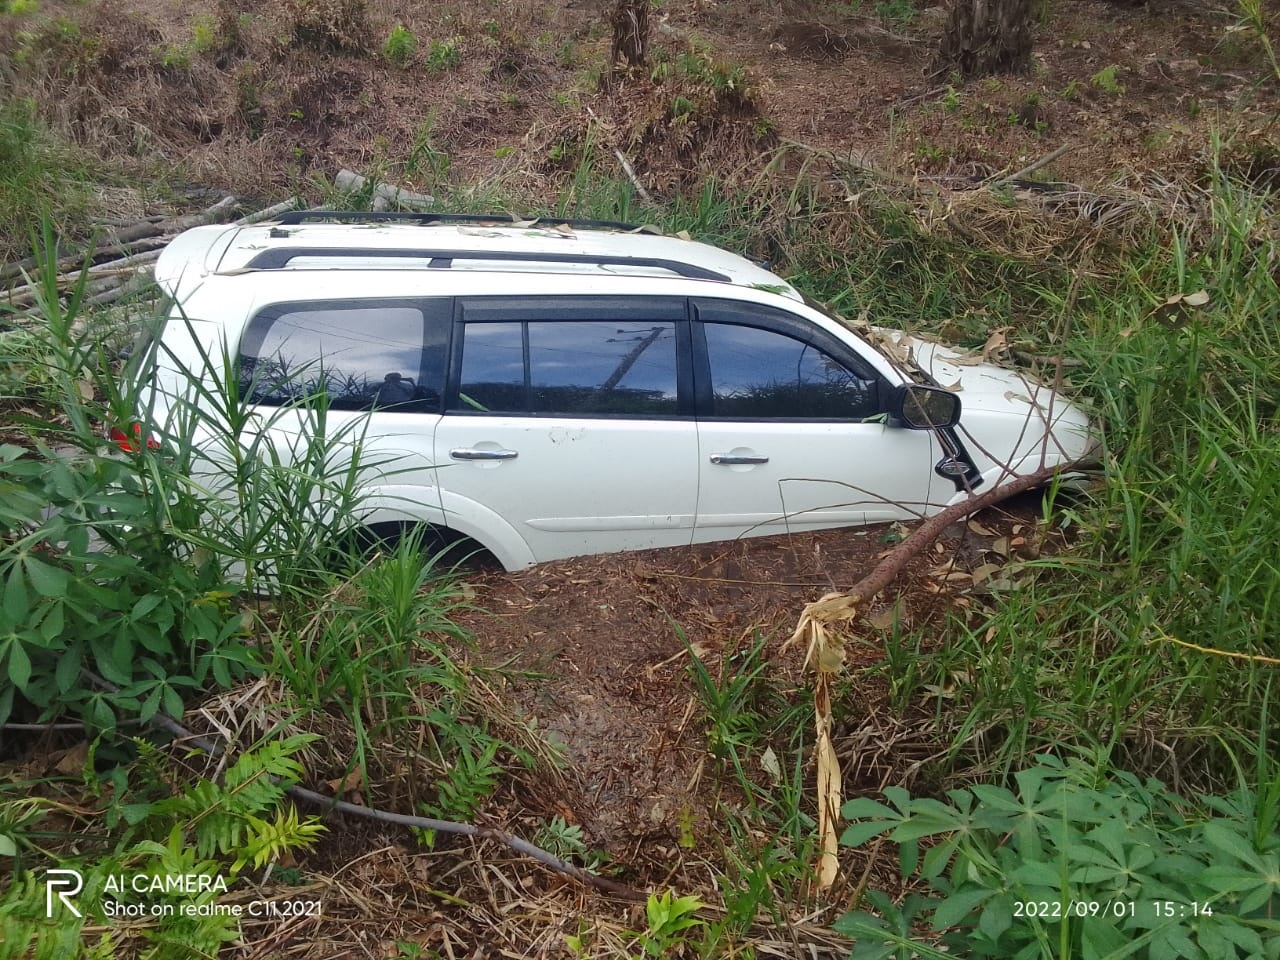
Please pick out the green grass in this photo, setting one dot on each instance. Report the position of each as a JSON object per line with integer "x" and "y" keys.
{"x": 39, "y": 174}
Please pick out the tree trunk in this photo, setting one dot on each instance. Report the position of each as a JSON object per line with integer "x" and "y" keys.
{"x": 630, "y": 23}
{"x": 986, "y": 36}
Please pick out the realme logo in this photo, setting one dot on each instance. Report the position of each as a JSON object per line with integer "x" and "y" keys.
{"x": 64, "y": 884}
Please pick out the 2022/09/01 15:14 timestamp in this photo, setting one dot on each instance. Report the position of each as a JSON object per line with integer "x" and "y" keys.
{"x": 1162, "y": 909}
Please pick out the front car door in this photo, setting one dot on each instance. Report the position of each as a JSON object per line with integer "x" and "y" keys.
{"x": 791, "y": 432}
{"x": 568, "y": 425}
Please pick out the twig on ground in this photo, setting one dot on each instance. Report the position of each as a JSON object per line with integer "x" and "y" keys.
{"x": 1047, "y": 159}
{"x": 627, "y": 168}
{"x": 332, "y": 804}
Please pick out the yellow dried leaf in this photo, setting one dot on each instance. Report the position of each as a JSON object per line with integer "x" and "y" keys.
{"x": 986, "y": 571}
{"x": 996, "y": 343}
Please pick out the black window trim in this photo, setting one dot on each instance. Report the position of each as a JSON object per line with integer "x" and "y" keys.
{"x": 432, "y": 308}
{"x": 569, "y": 308}
{"x": 773, "y": 320}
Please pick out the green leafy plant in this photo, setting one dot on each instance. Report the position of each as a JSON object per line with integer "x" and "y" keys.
{"x": 1069, "y": 863}
{"x": 400, "y": 46}
{"x": 465, "y": 786}
{"x": 426, "y": 158}
{"x": 205, "y": 34}
{"x": 732, "y": 698}
{"x": 1105, "y": 80}
{"x": 192, "y": 833}
{"x": 563, "y": 839}
{"x": 896, "y": 13}
{"x": 173, "y": 57}
{"x": 443, "y": 55}
{"x": 670, "y": 921}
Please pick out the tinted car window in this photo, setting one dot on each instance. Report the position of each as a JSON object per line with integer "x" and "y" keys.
{"x": 758, "y": 373}
{"x": 573, "y": 368}
{"x": 493, "y": 368}
{"x": 363, "y": 355}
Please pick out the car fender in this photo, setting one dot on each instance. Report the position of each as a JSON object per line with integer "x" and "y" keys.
{"x": 394, "y": 503}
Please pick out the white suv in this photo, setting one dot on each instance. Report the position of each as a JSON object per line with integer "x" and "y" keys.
{"x": 556, "y": 388}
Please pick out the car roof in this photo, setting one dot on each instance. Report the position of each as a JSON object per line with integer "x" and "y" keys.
{"x": 497, "y": 244}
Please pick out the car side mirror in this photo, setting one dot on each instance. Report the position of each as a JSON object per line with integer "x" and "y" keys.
{"x": 918, "y": 406}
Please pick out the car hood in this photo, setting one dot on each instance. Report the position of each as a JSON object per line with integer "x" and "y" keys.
{"x": 1005, "y": 411}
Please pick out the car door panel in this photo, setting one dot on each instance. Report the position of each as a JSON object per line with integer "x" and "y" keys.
{"x": 776, "y": 453}
{"x": 566, "y": 417}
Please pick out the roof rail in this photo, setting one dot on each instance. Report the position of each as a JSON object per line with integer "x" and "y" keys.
{"x": 280, "y": 257}
{"x": 295, "y": 217}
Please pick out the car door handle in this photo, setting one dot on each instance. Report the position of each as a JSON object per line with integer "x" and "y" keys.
{"x": 731, "y": 458}
{"x": 471, "y": 453}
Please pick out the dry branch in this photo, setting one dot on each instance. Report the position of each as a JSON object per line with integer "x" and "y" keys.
{"x": 291, "y": 204}
{"x": 922, "y": 537}
{"x": 825, "y": 649}
{"x": 385, "y": 196}
{"x": 1033, "y": 167}
{"x": 139, "y": 237}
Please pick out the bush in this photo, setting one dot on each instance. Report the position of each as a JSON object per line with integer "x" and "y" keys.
{"x": 400, "y": 46}
{"x": 443, "y": 55}
{"x": 339, "y": 25}
{"x": 1070, "y": 864}
{"x": 124, "y": 563}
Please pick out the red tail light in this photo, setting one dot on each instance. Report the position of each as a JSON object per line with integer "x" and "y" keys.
{"x": 130, "y": 444}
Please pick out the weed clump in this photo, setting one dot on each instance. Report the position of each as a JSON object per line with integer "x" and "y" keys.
{"x": 400, "y": 46}
{"x": 335, "y": 25}
{"x": 443, "y": 55}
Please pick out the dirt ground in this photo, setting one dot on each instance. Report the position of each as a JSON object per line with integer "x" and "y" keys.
{"x": 606, "y": 642}
{"x": 510, "y": 92}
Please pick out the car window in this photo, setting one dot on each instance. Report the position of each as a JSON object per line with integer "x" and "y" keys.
{"x": 572, "y": 368}
{"x": 758, "y": 373}
{"x": 363, "y": 355}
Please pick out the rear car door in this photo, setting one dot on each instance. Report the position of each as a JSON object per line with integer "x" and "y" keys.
{"x": 568, "y": 424}
{"x": 791, "y": 433}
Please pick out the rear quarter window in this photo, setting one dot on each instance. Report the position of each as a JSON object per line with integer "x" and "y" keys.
{"x": 364, "y": 355}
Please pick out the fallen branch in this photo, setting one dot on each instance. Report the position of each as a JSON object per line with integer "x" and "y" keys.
{"x": 135, "y": 284}
{"x": 627, "y": 168}
{"x": 384, "y": 194}
{"x": 274, "y": 211}
{"x": 144, "y": 235}
{"x": 825, "y": 649}
{"x": 332, "y": 804}
{"x": 1044, "y": 161}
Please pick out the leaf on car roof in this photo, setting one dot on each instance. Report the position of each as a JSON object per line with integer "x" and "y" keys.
{"x": 997, "y": 343}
